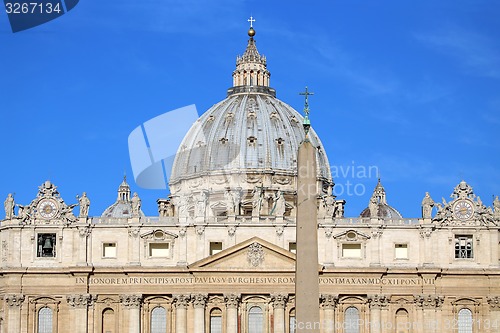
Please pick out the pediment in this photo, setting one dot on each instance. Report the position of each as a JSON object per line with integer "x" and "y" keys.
{"x": 352, "y": 236}
{"x": 254, "y": 254}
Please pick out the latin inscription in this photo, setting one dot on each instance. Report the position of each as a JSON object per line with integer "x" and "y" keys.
{"x": 179, "y": 280}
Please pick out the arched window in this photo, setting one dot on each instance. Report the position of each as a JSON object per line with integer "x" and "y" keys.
{"x": 465, "y": 321}
{"x": 255, "y": 320}
{"x": 108, "y": 321}
{"x": 216, "y": 320}
{"x": 159, "y": 320}
{"x": 402, "y": 323}
{"x": 351, "y": 320}
{"x": 293, "y": 322}
{"x": 45, "y": 320}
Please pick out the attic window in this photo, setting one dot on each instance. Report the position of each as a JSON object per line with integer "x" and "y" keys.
{"x": 215, "y": 247}
{"x": 251, "y": 140}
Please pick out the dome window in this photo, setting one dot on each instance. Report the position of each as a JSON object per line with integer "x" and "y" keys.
{"x": 251, "y": 140}
{"x": 280, "y": 142}
{"x": 223, "y": 140}
{"x": 210, "y": 118}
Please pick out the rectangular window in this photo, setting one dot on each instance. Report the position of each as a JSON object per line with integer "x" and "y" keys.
{"x": 292, "y": 247}
{"x": 401, "y": 251}
{"x": 46, "y": 245}
{"x": 463, "y": 247}
{"x": 215, "y": 247}
{"x": 109, "y": 250}
{"x": 350, "y": 250}
{"x": 159, "y": 250}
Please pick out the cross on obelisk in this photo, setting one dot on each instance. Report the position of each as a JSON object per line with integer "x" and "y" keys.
{"x": 306, "y": 104}
{"x": 307, "y": 122}
{"x": 251, "y": 20}
{"x": 306, "y": 264}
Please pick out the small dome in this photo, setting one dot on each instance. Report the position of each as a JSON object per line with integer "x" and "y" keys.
{"x": 122, "y": 208}
{"x": 378, "y": 201}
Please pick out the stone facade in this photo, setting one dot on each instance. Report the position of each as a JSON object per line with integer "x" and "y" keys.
{"x": 220, "y": 256}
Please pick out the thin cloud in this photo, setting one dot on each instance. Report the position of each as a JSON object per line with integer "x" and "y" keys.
{"x": 477, "y": 53}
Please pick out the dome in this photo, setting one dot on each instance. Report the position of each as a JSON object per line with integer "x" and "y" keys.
{"x": 124, "y": 205}
{"x": 250, "y": 133}
{"x": 378, "y": 201}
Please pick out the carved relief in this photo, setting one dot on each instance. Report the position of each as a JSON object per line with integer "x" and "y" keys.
{"x": 378, "y": 301}
{"x": 131, "y": 301}
{"x": 428, "y": 301}
{"x": 199, "y": 300}
{"x": 80, "y": 300}
{"x": 14, "y": 299}
{"x": 232, "y": 300}
{"x": 329, "y": 301}
{"x": 255, "y": 254}
{"x": 182, "y": 301}
{"x": 279, "y": 301}
{"x": 493, "y": 302}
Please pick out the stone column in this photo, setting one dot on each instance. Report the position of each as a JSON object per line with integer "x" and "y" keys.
{"x": 377, "y": 302}
{"x": 199, "y": 301}
{"x": 279, "y": 302}
{"x": 132, "y": 305}
{"x": 181, "y": 304}
{"x": 232, "y": 301}
{"x": 494, "y": 303}
{"x": 14, "y": 303}
{"x": 375, "y": 253}
{"x": 78, "y": 312}
{"x": 329, "y": 303}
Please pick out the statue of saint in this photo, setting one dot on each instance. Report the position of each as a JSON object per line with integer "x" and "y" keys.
{"x": 339, "y": 208}
{"x": 427, "y": 204}
{"x": 257, "y": 197}
{"x": 84, "y": 203}
{"x": 329, "y": 202}
{"x": 373, "y": 207}
{"x": 496, "y": 206}
{"x": 279, "y": 204}
{"x": 236, "y": 201}
{"x": 136, "y": 205}
{"x": 9, "y": 206}
{"x": 201, "y": 204}
{"x": 229, "y": 202}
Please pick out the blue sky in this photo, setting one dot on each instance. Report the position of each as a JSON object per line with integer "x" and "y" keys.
{"x": 410, "y": 88}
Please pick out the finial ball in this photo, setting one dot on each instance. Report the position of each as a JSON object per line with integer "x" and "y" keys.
{"x": 251, "y": 32}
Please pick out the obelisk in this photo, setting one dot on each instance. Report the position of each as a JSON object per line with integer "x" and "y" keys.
{"x": 306, "y": 265}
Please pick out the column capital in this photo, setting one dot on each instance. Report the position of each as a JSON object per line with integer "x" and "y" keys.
{"x": 182, "y": 301}
{"x": 199, "y": 300}
{"x": 279, "y": 300}
{"x": 80, "y": 300}
{"x": 329, "y": 301}
{"x": 14, "y": 300}
{"x": 493, "y": 302}
{"x": 131, "y": 301}
{"x": 428, "y": 301}
{"x": 378, "y": 301}
{"x": 232, "y": 300}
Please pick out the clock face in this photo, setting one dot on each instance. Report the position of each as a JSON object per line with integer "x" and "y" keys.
{"x": 463, "y": 209}
{"x": 47, "y": 209}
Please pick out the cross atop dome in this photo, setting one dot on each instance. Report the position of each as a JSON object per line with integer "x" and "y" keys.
{"x": 251, "y": 69}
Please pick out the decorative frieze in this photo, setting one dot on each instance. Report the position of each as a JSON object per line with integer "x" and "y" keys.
{"x": 131, "y": 301}
{"x": 80, "y": 300}
{"x": 279, "y": 300}
{"x": 232, "y": 300}
{"x": 13, "y": 300}
{"x": 182, "y": 301}
{"x": 199, "y": 300}
{"x": 329, "y": 301}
